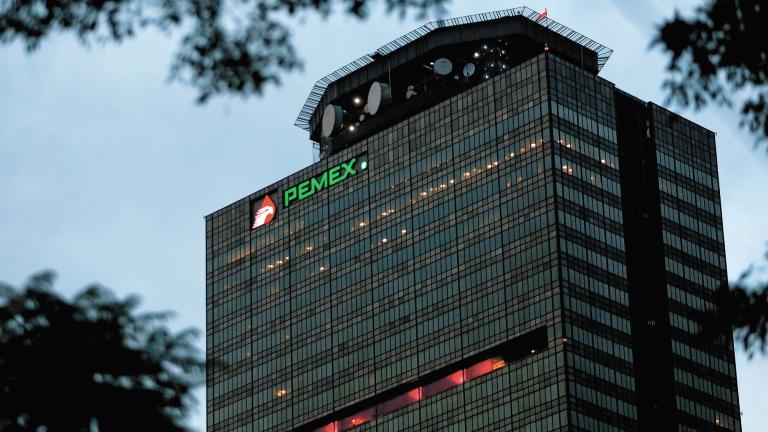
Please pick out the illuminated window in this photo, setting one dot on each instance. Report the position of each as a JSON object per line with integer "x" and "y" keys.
{"x": 399, "y": 402}
{"x": 331, "y": 427}
{"x": 443, "y": 384}
{"x": 356, "y": 419}
{"x": 415, "y": 395}
{"x": 482, "y": 368}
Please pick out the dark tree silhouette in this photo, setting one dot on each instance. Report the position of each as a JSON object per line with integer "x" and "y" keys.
{"x": 718, "y": 55}
{"x": 91, "y": 364}
{"x": 720, "y": 51}
{"x": 229, "y": 46}
{"x": 742, "y": 309}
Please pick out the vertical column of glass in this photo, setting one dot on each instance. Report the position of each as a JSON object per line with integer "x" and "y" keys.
{"x": 434, "y": 259}
{"x": 269, "y": 364}
{"x": 310, "y": 331}
{"x": 394, "y": 291}
{"x": 478, "y": 231}
{"x": 593, "y": 260}
{"x": 529, "y": 243}
{"x": 694, "y": 253}
{"x": 349, "y": 272}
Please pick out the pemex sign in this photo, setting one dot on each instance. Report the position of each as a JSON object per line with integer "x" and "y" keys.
{"x": 328, "y": 178}
{"x": 264, "y": 211}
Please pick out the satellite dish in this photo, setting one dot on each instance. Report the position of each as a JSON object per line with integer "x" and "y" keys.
{"x": 378, "y": 95}
{"x": 443, "y": 66}
{"x": 469, "y": 70}
{"x": 333, "y": 118}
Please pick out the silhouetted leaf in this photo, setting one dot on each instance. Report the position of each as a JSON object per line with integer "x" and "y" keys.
{"x": 93, "y": 361}
{"x": 740, "y": 310}
{"x": 721, "y": 50}
{"x": 228, "y": 46}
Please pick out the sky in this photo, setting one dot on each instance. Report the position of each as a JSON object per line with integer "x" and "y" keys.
{"x": 107, "y": 169}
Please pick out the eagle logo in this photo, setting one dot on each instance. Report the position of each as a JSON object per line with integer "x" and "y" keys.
{"x": 265, "y": 213}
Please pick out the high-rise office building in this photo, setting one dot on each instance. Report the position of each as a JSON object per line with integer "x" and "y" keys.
{"x": 494, "y": 238}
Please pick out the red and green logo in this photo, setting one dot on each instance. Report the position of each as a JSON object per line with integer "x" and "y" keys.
{"x": 264, "y": 213}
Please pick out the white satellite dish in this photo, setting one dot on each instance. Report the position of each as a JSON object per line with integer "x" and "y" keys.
{"x": 443, "y": 66}
{"x": 378, "y": 95}
{"x": 469, "y": 70}
{"x": 333, "y": 118}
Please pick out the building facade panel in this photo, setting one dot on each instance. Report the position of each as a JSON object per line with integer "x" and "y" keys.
{"x": 532, "y": 251}
{"x": 694, "y": 260}
{"x": 427, "y": 257}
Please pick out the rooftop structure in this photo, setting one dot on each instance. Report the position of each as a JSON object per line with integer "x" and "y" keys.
{"x": 525, "y": 28}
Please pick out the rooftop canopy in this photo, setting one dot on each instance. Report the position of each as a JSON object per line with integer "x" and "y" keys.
{"x": 318, "y": 95}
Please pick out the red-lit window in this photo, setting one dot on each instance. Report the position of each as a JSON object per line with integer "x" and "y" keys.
{"x": 482, "y": 368}
{"x": 415, "y": 395}
{"x": 443, "y": 384}
{"x": 331, "y": 427}
{"x": 399, "y": 402}
{"x": 357, "y": 419}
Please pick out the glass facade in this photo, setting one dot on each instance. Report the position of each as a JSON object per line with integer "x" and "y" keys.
{"x": 445, "y": 246}
{"x": 694, "y": 263}
{"x": 601, "y": 383}
{"x": 470, "y": 276}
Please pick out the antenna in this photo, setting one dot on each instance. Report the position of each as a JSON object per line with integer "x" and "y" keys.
{"x": 333, "y": 120}
{"x": 443, "y": 66}
{"x": 379, "y": 95}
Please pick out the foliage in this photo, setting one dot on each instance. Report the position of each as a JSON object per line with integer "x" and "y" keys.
{"x": 229, "y": 46}
{"x": 720, "y": 51}
{"x": 744, "y": 310}
{"x": 716, "y": 54}
{"x": 91, "y": 363}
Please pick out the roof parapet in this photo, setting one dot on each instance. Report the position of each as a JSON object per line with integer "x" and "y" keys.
{"x": 318, "y": 90}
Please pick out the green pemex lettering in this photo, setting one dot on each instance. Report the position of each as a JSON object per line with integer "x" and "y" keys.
{"x": 309, "y": 187}
{"x": 321, "y": 183}
{"x": 289, "y": 195}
